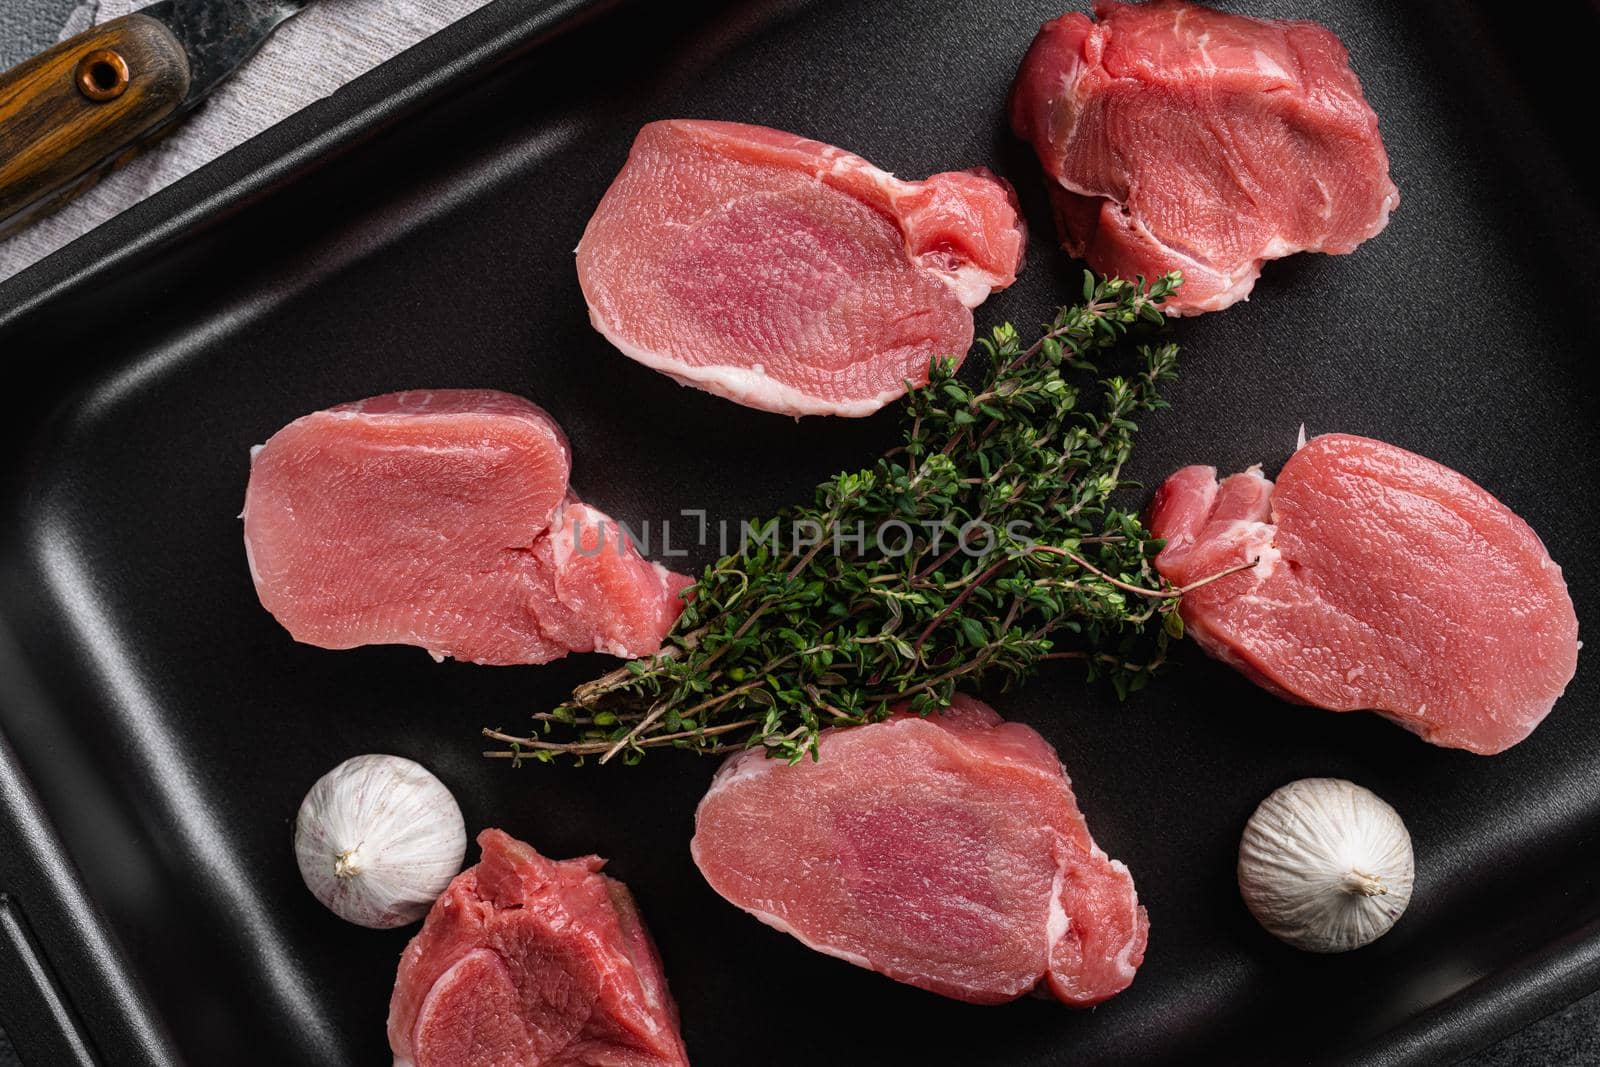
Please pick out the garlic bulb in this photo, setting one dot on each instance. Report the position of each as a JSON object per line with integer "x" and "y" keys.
{"x": 1326, "y": 865}
{"x": 378, "y": 838}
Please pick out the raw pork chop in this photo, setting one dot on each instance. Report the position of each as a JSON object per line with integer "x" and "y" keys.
{"x": 441, "y": 518}
{"x": 787, "y": 274}
{"x": 530, "y": 962}
{"x": 1387, "y": 582}
{"x": 1181, "y": 138}
{"x": 946, "y": 852}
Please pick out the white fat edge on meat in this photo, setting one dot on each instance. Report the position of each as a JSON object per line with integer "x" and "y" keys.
{"x": 971, "y": 283}
{"x": 1278, "y": 248}
{"x": 250, "y": 560}
{"x": 612, "y": 536}
{"x": 255, "y": 450}
{"x": 773, "y": 920}
{"x": 1267, "y": 552}
{"x": 743, "y": 385}
{"x": 602, "y": 643}
{"x": 345, "y": 414}
{"x": 738, "y": 767}
{"x": 249, "y": 550}
{"x": 563, "y": 546}
{"x": 1240, "y": 283}
{"x": 663, "y": 574}
{"x": 1236, "y": 284}
{"x": 1124, "y": 957}
{"x": 1255, "y": 536}
{"x": 1059, "y": 922}
{"x": 1390, "y": 202}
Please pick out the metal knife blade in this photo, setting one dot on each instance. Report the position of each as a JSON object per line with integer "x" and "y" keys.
{"x": 219, "y": 35}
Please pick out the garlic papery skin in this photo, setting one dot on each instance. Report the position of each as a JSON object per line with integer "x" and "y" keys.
{"x": 1326, "y": 865}
{"x": 378, "y": 838}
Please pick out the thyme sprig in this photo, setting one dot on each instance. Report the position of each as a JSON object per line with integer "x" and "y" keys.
{"x": 887, "y": 600}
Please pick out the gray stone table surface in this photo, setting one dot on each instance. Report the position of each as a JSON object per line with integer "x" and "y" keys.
{"x": 1569, "y": 1038}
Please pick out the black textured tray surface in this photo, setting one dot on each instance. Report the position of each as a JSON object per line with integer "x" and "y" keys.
{"x": 171, "y": 727}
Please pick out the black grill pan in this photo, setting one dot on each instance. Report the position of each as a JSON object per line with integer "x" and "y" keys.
{"x": 157, "y": 729}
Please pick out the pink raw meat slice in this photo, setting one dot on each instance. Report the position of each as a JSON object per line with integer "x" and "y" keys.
{"x": 1181, "y": 138}
{"x": 1387, "y": 582}
{"x": 945, "y": 852}
{"x": 787, "y": 274}
{"x": 603, "y": 594}
{"x": 424, "y": 518}
{"x": 531, "y": 962}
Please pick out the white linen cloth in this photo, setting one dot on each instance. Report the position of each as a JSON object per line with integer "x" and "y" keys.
{"x": 311, "y": 55}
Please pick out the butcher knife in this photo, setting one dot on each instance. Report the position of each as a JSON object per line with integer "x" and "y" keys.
{"x": 87, "y": 105}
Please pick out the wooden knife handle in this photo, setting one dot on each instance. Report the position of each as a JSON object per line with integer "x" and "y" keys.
{"x": 70, "y": 110}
